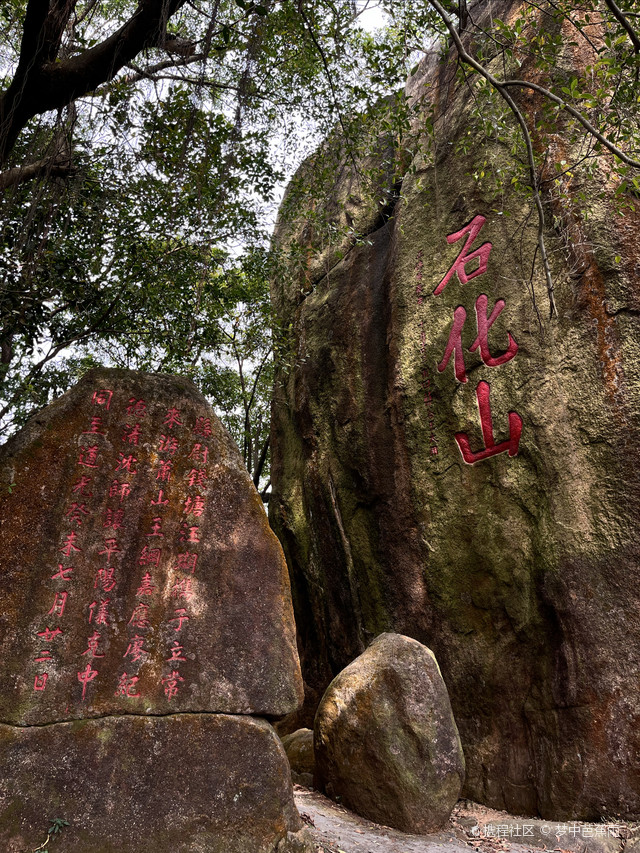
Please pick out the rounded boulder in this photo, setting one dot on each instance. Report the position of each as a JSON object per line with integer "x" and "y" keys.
{"x": 299, "y": 748}
{"x": 386, "y": 743}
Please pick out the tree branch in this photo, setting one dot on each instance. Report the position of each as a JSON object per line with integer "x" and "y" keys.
{"x": 41, "y": 84}
{"x": 533, "y": 178}
{"x": 619, "y": 15}
{"x": 525, "y": 84}
{"x": 41, "y": 168}
{"x": 261, "y": 461}
{"x": 334, "y": 94}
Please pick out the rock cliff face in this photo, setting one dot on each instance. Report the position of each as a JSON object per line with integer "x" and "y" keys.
{"x": 451, "y": 465}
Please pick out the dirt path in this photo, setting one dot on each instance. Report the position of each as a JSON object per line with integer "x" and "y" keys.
{"x": 337, "y": 830}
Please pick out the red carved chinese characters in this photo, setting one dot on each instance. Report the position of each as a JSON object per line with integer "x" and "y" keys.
{"x": 136, "y": 407}
{"x": 119, "y": 490}
{"x": 510, "y": 445}
{"x": 146, "y": 587}
{"x": 97, "y": 612}
{"x": 80, "y": 485}
{"x": 156, "y": 528}
{"x": 135, "y": 649}
{"x": 176, "y": 653}
{"x": 454, "y": 346}
{"x": 203, "y": 427}
{"x": 40, "y": 681}
{"x": 94, "y": 429}
{"x": 105, "y": 579}
{"x": 198, "y": 477}
{"x": 89, "y": 456}
{"x": 465, "y": 257}
{"x": 164, "y": 471}
{"x": 168, "y": 444}
{"x": 126, "y": 686}
{"x": 182, "y": 589}
{"x": 150, "y": 556}
{"x": 186, "y": 562}
{"x": 194, "y": 506}
{"x": 48, "y": 635}
{"x": 59, "y": 603}
{"x": 170, "y": 683}
{"x": 69, "y": 545}
{"x": 77, "y": 512}
{"x": 86, "y": 677}
{"x": 102, "y": 398}
{"x": 172, "y": 419}
{"x": 101, "y": 611}
{"x": 92, "y": 646}
{"x": 110, "y": 548}
{"x": 131, "y": 434}
{"x": 484, "y": 323}
{"x": 126, "y": 463}
{"x": 189, "y": 533}
{"x": 113, "y": 518}
{"x": 199, "y": 453}
{"x": 63, "y": 574}
{"x": 139, "y": 617}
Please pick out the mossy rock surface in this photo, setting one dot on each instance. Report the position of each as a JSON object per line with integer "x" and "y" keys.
{"x": 520, "y": 570}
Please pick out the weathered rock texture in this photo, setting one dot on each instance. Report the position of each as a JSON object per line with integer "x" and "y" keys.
{"x": 181, "y": 783}
{"x": 386, "y": 743}
{"x": 142, "y": 587}
{"x": 521, "y": 571}
{"x": 299, "y": 749}
{"x": 134, "y": 544}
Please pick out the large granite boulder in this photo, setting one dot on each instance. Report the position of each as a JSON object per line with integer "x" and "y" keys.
{"x": 450, "y": 464}
{"x": 145, "y": 598}
{"x": 184, "y": 783}
{"x": 386, "y": 743}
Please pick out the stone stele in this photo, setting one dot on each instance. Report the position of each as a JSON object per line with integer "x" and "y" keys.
{"x": 139, "y": 572}
{"x": 386, "y": 743}
{"x": 140, "y": 577}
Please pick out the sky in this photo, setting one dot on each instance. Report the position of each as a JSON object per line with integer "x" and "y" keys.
{"x": 372, "y": 17}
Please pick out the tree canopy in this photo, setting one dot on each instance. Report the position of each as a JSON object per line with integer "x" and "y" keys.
{"x": 143, "y": 148}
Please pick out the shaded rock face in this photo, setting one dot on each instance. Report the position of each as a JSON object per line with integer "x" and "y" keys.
{"x": 492, "y": 519}
{"x": 145, "y": 598}
{"x": 138, "y": 568}
{"x": 181, "y": 783}
{"x": 386, "y": 743}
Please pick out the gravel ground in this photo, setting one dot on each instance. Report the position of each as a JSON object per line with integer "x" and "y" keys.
{"x": 471, "y": 828}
